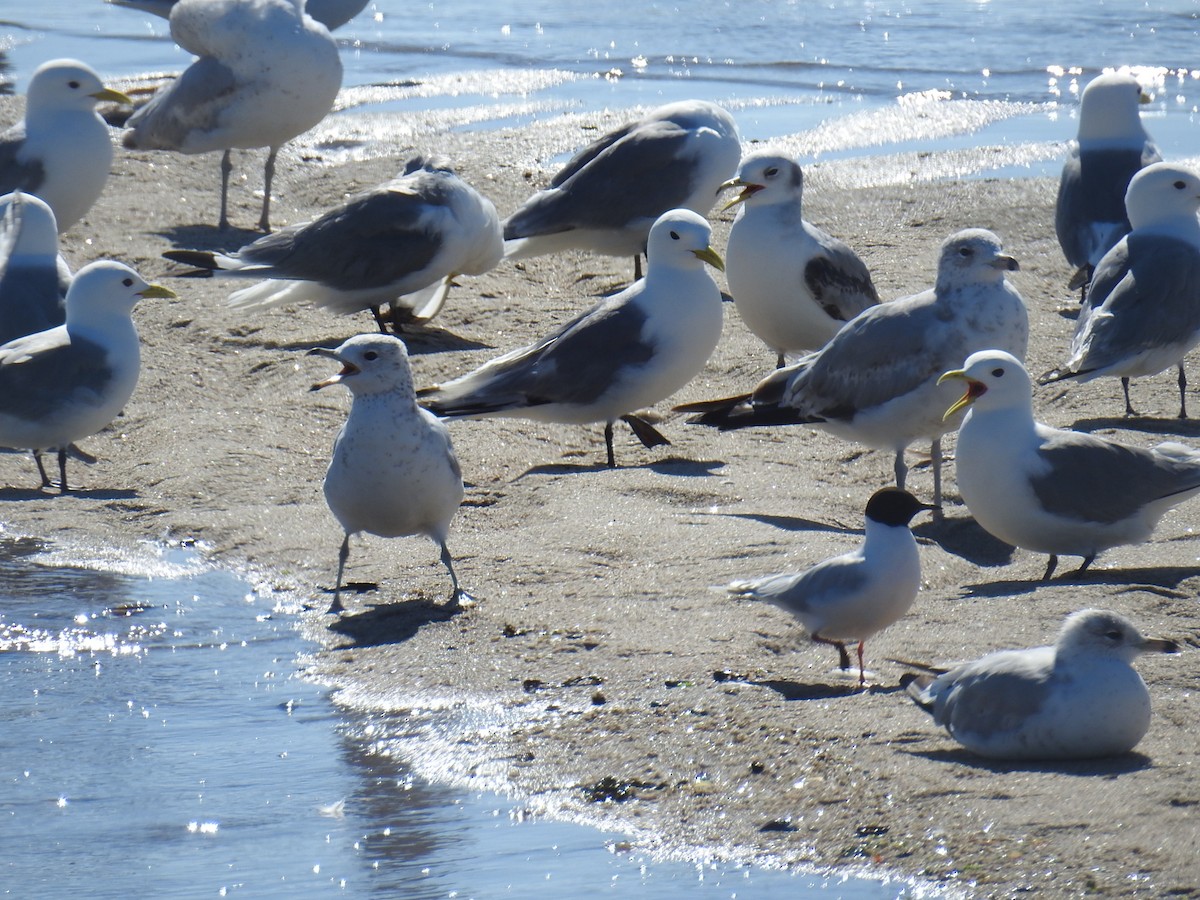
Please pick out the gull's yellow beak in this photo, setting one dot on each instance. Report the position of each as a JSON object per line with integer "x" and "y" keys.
{"x": 712, "y": 257}
{"x": 748, "y": 191}
{"x": 157, "y": 292}
{"x": 113, "y": 96}
{"x": 975, "y": 390}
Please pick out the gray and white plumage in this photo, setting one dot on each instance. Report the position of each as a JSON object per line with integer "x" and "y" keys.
{"x": 1142, "y": 312}
{"x": 854, "y": 596}
{"x": 794, "y": 285}
{"x": 875, "y": 382}
{"x": 393, "y": 471}
{"x": 630, "y": 351}
{"x": 33, "y": 277}
{"x": 1111, "y": 146}
{"x": 1053, "y": 491}
{"x": 62, "y": 150}
{"x": 606, "y": 198}
{"x": 1078, "y": 699}
{"x": 330, "y": 13}
{"x": 400, "y": 243}
{"x": 265, "y": 73}
{"x": 69, "y": 382}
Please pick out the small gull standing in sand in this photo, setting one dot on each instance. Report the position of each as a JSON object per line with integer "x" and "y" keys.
{"x": 606, "y": 198}
{"x": 875, "y": 382}
{"x": 33, "y": 277}
{"x": 1109, "y": 149}
{"x": 330, "y": 13}
{"x": 266, "y": 72}
{"x": 1054, "y": 491}
{"x": 793, "y": 284}
{"x": 62, "y": 150}
{"x": 630, "y": 351}
{"x": 1142, "y": 312}
{"x": 67, "y": 383}
{"x": 856, "y": 595}
{"x": 400, "y": 243}
{"x": 1079, "y": 699}
{"x": 393, "y": 471}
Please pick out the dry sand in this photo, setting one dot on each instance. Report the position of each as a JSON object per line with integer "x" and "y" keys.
{"x": 605, "y": 677}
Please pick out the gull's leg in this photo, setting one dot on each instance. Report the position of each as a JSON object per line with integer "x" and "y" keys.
{"x": 901, "y": 469}
{"x": 862, "y": 675}
{"x": 343, "y": 555}
{"x": 1182, "y": 392}
{"x": 843, "y": 656}
{"x": 264, "y": 223}
{"x": 37, "y": 458}
{"x": 935, "y": 454}
{"x": 457, "y": 594}
{"x": 608, "y": 443}
{"x": 1050, "y": 567}
{"x": 1129, "y": 410}
{"x": 62, "y": 470}
{"x": 226, "y": 168}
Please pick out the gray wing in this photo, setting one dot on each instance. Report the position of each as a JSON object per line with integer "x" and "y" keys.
{"x": 51, "y": 370}
{"x": 31, "y": 299}
{"x": 372, "y": 241}
{"x": 838, "y": 280}
{"x": 1093, "y": 480}
{"x": 995, "y": 694}
{"x": 192, "y": 103}
{"x": 1091, "y": 195}
{"x": 803, "y": 593}
{"x": 576, "y": 364}
{"x": 14, "y": 174}
{"x": 1147, "y": 293}
{"x": 639, "y": 175}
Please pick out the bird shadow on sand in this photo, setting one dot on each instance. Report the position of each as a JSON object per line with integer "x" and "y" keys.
{"x": 209, "y": 237}
{"x": 1164, "y": 425}
{"x": 419, "y": 343}
{"x": 690, "y": 468}
{"x": 1087, "y": 768}
{"x": 16, "y": 493}
{"x": 817, "y": 690}
{"x": 792, "y": 523}
{"x": 963, "y": 537}
{"x": 392, "y": 623}
{"x": 1148, "y": 578}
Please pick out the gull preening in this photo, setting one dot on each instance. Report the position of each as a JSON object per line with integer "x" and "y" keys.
{"x": 1110, "y": 147}
{"x": 401, "y": 243}
{"x": 1142, "y": 312}
{"x": 607, "y": 197}
{"x": 393, "y": 472}
{"x": 1053, "y": 491}
{"x": 854, "y": 596}
{"x": 266, "y": 72}
{"x": 630, "y": 351}
{"x": 62, "y": 150}
{"x": 875, "y": 382}
{"x": 1078, "y": 699}
{"x": 69, "y": 382}
{"x": 794, "y": 285}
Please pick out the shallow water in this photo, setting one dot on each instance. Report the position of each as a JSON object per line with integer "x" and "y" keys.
{"x": 158, "y": 740}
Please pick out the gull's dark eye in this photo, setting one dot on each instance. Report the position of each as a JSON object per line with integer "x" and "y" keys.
{"x": 997, "y": 373}
{"x": 1180, "y": 185}
{"x": 1113, "y": 635}
{"x": 128, "y": 282}
{"x": 370, "y": 355}
{"x": 965, "y": 251}
{"x": 73, "y": 85}
{"x": 772, "y": 172}
{"x": 674, "y": 235}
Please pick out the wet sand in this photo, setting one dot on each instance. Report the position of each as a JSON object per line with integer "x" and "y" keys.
{"x": 631, "y": 692}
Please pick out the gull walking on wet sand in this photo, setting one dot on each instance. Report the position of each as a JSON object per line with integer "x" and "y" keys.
{"x": 393, "y": 471}
{"x": 62, "y": 150}
{"x": 856, "y": 595}
{"x": 266, "y": 72}
{"x": 69, "y": 382}
{"x": 1053, "y": 491}
{"x": 631, "y": 351}
{"x": 1078, "y": 699}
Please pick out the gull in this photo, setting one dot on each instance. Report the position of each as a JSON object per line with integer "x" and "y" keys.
{"x": 330, "y": 13}
{"x": 860, "y": 593}
{"x": 400, "y": 243}
{"x": 33, "y": 277}
{"x": 266, "y": 72}
{"x": 793, "y": 284}
{"x": 62, "y": 150}
{"x": 1142, "y": 312}
{"x": 393, "y": 471}
{"x": 632, "y": 350}
{"x": 1110, "y": 147}
{"x": 67, "y": 383}
{"x": 611, "y": 192}
{"x": 1053, "y": 491}
{"x": 1078, "y": 699}
{"x": 875, "y": 382}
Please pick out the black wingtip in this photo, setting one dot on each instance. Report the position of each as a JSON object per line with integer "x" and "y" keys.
{"x": 203, "y": 261}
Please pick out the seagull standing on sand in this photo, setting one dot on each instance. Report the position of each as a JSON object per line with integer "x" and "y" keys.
{"x": 393, "y": 471}
{"x": 1142, "y": 313}
{"x": 33, "y": 277}
{"x": 266, "y": 72}
{"x": 875, "y": 382}
{"x": 67, "y": 383}
{"x": 611, "y": 192}
{"x": 630, "y": 351}
{"x": 856, "y": 595}
{"x": 1053, "y": 491}
{"x": 1079, "y": 699}
{"x": 793, "y": 284}
{"x": 62, "y": 151}
{"x": 330, "y": 13}
{"x": 400, "y": 243}
{"x": 1109, "y": 149}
